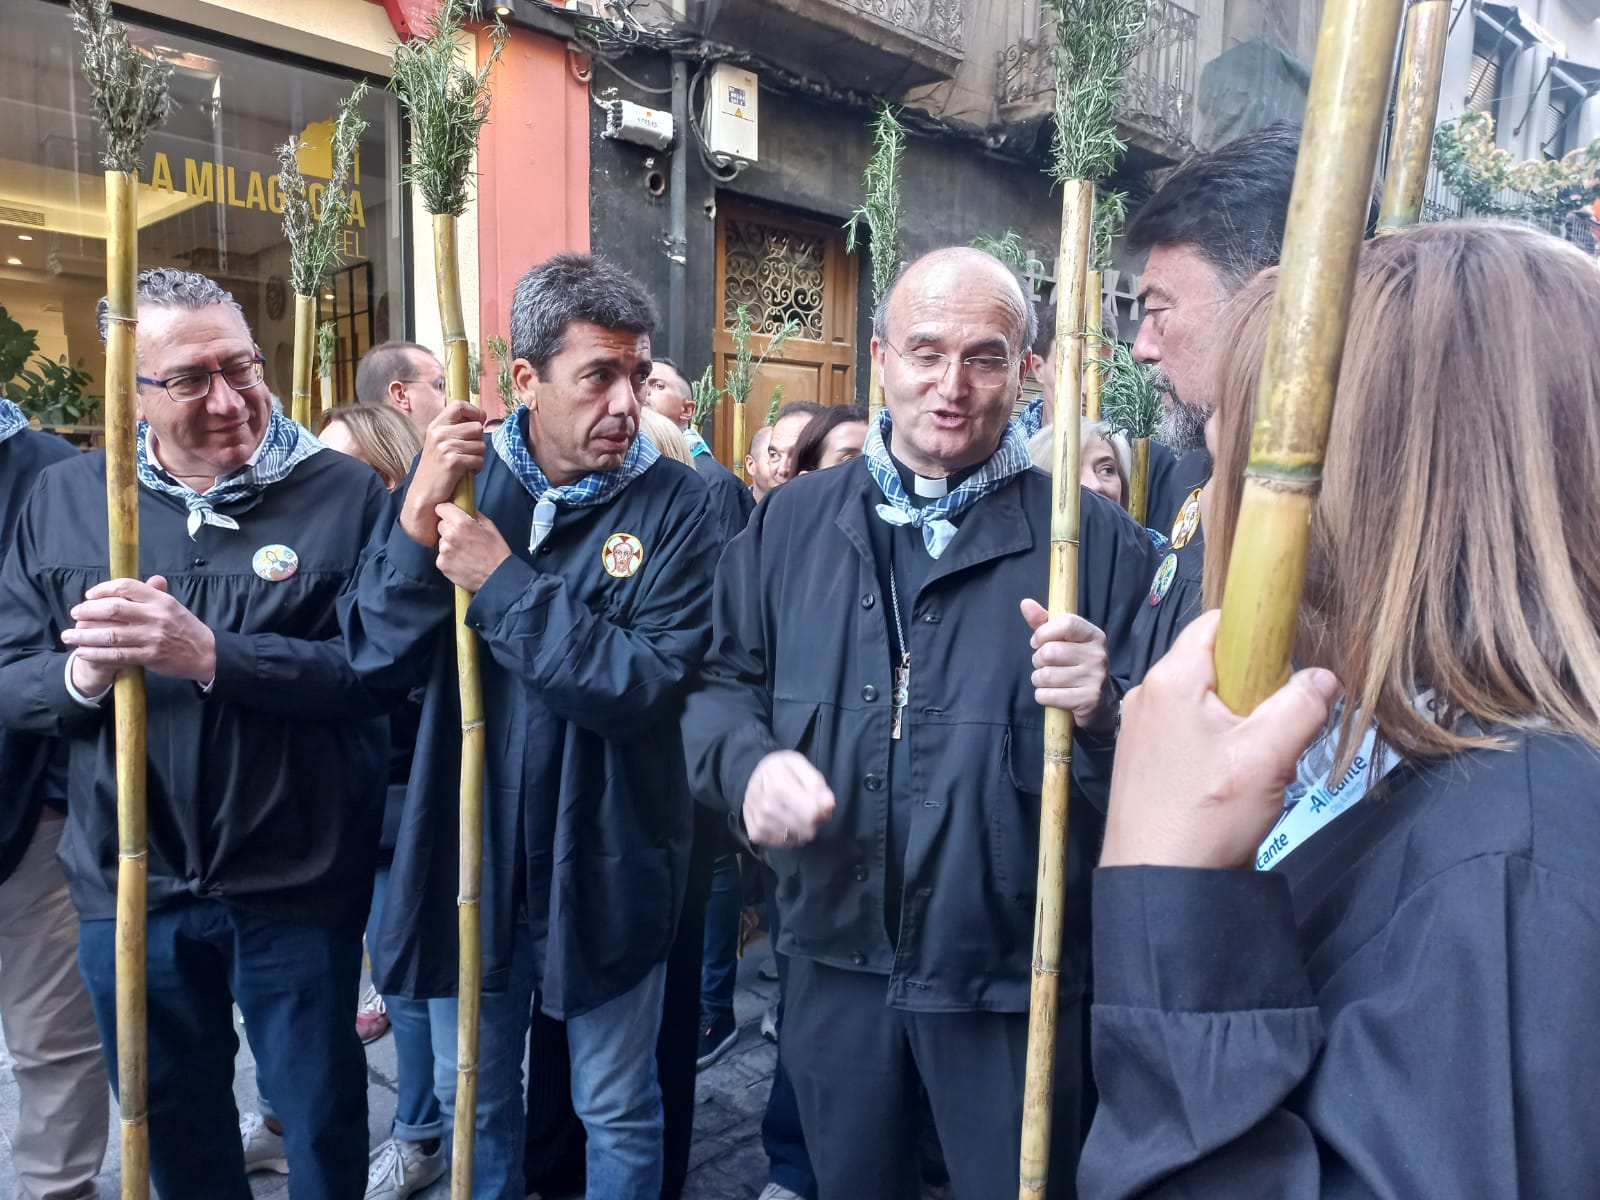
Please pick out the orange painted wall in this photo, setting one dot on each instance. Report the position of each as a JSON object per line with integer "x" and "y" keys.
{"x": 533, "y": 176}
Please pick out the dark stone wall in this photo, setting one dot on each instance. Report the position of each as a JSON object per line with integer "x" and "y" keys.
{"x": 812, "y": 155}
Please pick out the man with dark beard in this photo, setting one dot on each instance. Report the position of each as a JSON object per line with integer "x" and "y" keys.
{"x": 1215, "y": 223}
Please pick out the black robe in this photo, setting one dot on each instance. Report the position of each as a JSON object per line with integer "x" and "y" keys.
{"x": 730, "y": 497}
{"x": 33, "y": 768}
{"x": 586, "y": 805}
{"x": 1166, "y": 611}
{"x": 265, "y": 792}
{"x": 1172, "y": 478}
{"x": 1404, "y": 1007}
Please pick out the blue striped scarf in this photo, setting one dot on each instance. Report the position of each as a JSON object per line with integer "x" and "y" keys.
{"x": 934, "y": 518}
{"x": 512, "y": 447}
{"x": 12, "y": 419}
{"x": 284, "y": 447}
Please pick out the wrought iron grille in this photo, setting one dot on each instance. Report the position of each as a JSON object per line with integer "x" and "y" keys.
{"x": 1159, "y": 93}
{"x": 938, "y": 21}
{"x": 777, "y": 274}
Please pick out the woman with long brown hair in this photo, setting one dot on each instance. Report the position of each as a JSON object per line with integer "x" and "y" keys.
{"x": 1379, "y": 974}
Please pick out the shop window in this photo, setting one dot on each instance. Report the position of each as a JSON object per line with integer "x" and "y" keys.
{"x": 208, "y": 199}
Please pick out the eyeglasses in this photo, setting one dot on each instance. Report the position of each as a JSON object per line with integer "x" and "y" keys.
{"x": 436, "y": 384}
{"x": 196, "y": 385}
{"x": 929, "y": 366}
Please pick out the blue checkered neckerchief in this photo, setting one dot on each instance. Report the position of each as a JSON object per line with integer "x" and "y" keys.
{"x": 510, "y": 443}
{"x": 697, "y": 444}
{"x": 12, "y": 419}
{"x": 285, "y": 446}
{"x": 1031, "y": 418}
{"x": 933, "y": 518}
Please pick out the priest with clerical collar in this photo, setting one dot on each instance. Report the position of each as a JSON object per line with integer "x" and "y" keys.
{"x": 870, "y": 711}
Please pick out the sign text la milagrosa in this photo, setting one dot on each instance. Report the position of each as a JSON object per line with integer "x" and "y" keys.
{"x": 220, "y": 183}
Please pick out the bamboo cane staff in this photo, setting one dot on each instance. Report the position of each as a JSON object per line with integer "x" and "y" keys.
{"x": 1097, "y": 39}
{"x": 316, "y": 236}
{"x": 1300, "y": 370}
{"x": 1110, "y": 213}
{"x": 447, "y": 105}
{"x": 327, "y": 348}
{"x": 130, "y": 99}
{"x": 1132, "y": 407}
{"x": 1416, "y": 110}
{"x": 1092, "y": 321}
{"x": 880, "y": 212}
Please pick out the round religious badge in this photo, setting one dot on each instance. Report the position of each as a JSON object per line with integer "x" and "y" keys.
{"x": 1188, "y": 521}
{"x": 621, "y": 555}
{"x": 275, "y": 563}
{"x": 1162, "y": 583}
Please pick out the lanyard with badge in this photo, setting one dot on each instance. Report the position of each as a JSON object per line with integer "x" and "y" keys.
{"x": 1327, "y": 797}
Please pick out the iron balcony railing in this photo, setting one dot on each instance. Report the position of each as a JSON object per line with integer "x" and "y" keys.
{"x": 937, "y": 21}
{"x": 1158, "y": 97}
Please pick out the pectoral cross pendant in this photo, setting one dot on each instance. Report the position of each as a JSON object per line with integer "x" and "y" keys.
{"x": 900, "y": 697}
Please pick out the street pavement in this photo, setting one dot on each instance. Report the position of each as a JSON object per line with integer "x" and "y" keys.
{"x": 727, "y": 1162}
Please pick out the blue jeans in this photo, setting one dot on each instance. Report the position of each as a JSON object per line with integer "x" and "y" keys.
{"x": 296, "y": 986}
{"x": 719, "y": 969}
{"x": 417, "y": 1116}
{"x": 614, "y": 1087}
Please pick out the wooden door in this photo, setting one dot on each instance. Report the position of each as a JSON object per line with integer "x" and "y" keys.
{"x": 782, "y": 268}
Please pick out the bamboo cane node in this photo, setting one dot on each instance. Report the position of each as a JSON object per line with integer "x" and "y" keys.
{"x": 125, "y": 322}
{"x": 1040, "y": 971}
{"x": 1287, "y": 482}
{"x": 1059, "y": 757}
{"x": 474, "y": 724}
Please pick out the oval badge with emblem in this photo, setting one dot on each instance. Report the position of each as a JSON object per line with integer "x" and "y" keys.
{"x": 1183, "y": 529}
{"x": 1162, "y": 583}
{"x": 275, "y": 563}
{"x": 622, "y": 555}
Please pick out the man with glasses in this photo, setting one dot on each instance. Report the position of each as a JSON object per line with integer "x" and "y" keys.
{"x": 406, "y": 375}
{"x": 893, "y": 782}
{"x": 264, "y": 772}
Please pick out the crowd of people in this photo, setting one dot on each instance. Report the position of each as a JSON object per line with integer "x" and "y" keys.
{"x": 1335, "y": 948}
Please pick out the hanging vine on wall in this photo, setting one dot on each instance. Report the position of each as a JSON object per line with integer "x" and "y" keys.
{"x": 1479, "y": 172}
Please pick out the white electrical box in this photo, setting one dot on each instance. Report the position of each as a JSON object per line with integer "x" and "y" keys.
{"x": 731, "y": 117}
{"x": 630, "y": 122}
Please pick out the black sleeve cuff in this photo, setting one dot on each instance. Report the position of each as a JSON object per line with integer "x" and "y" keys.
{"x": 1189, "y": 940}
{"x": 410, "y": 558}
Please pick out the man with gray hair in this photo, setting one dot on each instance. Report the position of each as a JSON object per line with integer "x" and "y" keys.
{"x": 893, "y": 784}
{"x": 591, "y": 560}
{"x": 264, "y": 775}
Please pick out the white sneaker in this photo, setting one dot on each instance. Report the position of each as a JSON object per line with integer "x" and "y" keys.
{"x": 769, "y": 1027}
{"x": 400, "y": 1168}
{"x": 263, "y": 1149}
{"x": 775, "y": 1191}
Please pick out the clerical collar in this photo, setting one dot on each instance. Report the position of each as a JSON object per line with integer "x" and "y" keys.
{"x": 922, "y": 490}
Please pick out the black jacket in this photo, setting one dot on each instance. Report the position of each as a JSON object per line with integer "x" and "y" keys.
{"x": 1171, "y": 480}
{"x": 587, "y": 810}
{"x": 1166, "y": 612}
{"x": 267, "y": 791}
{"x": 1405, "y": 1008}
{"x": 33, "y": 768}
{"x": 800, "y": 660}
{"x": 730, "y": 497}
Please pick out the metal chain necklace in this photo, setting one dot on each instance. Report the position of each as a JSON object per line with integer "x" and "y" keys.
{"x": 902, "y": 673}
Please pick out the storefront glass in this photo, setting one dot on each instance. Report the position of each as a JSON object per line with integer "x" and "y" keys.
{"x": 208, "y": 202}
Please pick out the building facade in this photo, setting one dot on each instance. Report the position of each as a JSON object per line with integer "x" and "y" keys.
{"x": 246, "y": 78}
